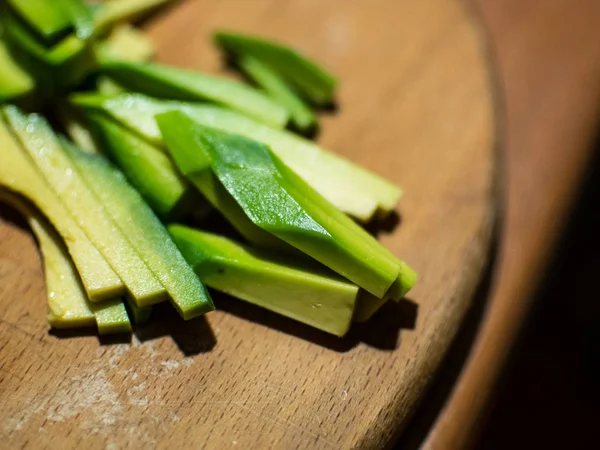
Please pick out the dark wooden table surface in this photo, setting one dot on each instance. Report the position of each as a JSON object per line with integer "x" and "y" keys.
{"x": 548, "y": 56}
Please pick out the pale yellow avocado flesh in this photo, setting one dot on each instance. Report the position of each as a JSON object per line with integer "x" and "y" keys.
{"x": 68, "y": 303}
{"x": 18, "y": 174}
{"x": 55, "y": 166}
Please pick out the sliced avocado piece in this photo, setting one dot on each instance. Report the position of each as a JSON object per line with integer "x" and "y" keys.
{"x": 111, "y": 317}
{"x": 353, "y": 189}
{"x": 147, "y": 168}
{"x": 146, "y": 233}
{"x": 198, "y": 169}
{"x": 280, "y": 202}
{"x": 180, "y": 84}
{"x": 80, "y": 15}
{"x": 304, "y": 292}
{"x": 43, "y": 16}
{"x": 310, "y": 78}
{"x": 107, "y": 86}
{"x": 18, "y": 174}
{"x": 127, "y": 44}
{"x": 76, "y": 128}
{"x": 68, "y": 303}
{"x": 43, "y": 147}
{"x": 15, "y": 81}
{"x": 137, "y": 315}
{"x": 65, "y": 63}
{"x": 302, "y": 117}
{"x": 110, "y": 13}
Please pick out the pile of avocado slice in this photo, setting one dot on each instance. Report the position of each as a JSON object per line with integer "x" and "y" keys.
{"x": 120, "y": 209}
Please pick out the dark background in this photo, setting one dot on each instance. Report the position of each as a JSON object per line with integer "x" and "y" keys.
{"x": 550, "y": 393}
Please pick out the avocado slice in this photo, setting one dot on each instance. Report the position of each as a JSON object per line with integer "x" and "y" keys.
{"x": 127, "y": 44}
{"x": 80, "y": 15}
{"x": 302, "y": 291}
{"x": 18, "y": 174}
{"x": 353, "y": 189}
{"x": 315, "y": 83}
{"x": 212, "y": 189}
{"x": 110, "y": 13}
{"x": 61, "y": 65}
{"x": 42, "y": 145}
{"x": 74, "y": 124}
{"x": 301, "y": 116}
{"x": 137, "y": 315}
{"x": 180, "y": 84}
{"x": 48, "y": 20}
{"x": 146, "y": 233}
{"x": 112, "y": 318}
{"x": 15, "y": 81}
{"x": 147, "y": 168}
{"x": 68, "y": 304}
{"x": 277, "y": 200}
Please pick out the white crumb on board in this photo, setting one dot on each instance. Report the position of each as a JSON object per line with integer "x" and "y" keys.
{"x": 171, "y": 364}
{"x": 136, "y": 396}
{"x": 90, "y": 393}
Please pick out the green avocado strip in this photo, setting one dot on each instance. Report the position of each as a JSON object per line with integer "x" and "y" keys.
{"x": 15, "y": 81}
{"x": 61, "y": 65}
{"x": 180, "y": 84}
{"x": 43, "y": 16}
{"x": 112, "y": 12}
{"x": 80, "y": 15}
{"x": 306, "y": 75}
{"x": 301, "y": 115}
{"x": 68, "y": 303}
{"x": 112, "y": 318}
{"x": 353, "y": 189}
{"x": 147, "y": 168}
{"x": 301, "y": 291}
{"x": 19, "y": 175}
{"x": 45, "y": 150}
{"x": 279, "y": 202}
{"x": 146, "y": 233}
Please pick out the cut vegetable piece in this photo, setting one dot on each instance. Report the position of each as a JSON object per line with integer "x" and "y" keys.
{"x": 107, "y": 86}
{"x": 69, "y": 306}
{"x": 80, "y": 15}
{"x": 147, "y": 168}
{"x": 64, "y": 50}
{"x": 111, "y": 317}
{"x": 279, "y": 202}
{"x": 15, "y": 81}
{"x": 112, "y": 12}
{"x": 137, "y": 315}
{"x": 43, "y": 147}
{"x": 64, "y": 64}
{"x": 197, "y": 167}
{"x": 311, "y": 79}
{"x": 180, "y": 84}
{"x": 126, "y": 43}
{"x": 18, "y": 174}
{"x": 353, "y": 189}
{"x": 306, "y": 293}
{"x": 67, "y": 302}
{"x": 43, "y": 16}
{"x": 301, "y": 115}
{"x": 147, "y": 234}
{"x": 76, "y": 129}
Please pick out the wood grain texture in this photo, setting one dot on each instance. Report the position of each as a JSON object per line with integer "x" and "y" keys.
{"x": 416, "y": 106}
{"x": 548, "y": 56}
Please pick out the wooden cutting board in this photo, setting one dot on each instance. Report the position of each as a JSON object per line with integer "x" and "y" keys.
{"x": 416, "y": 105}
